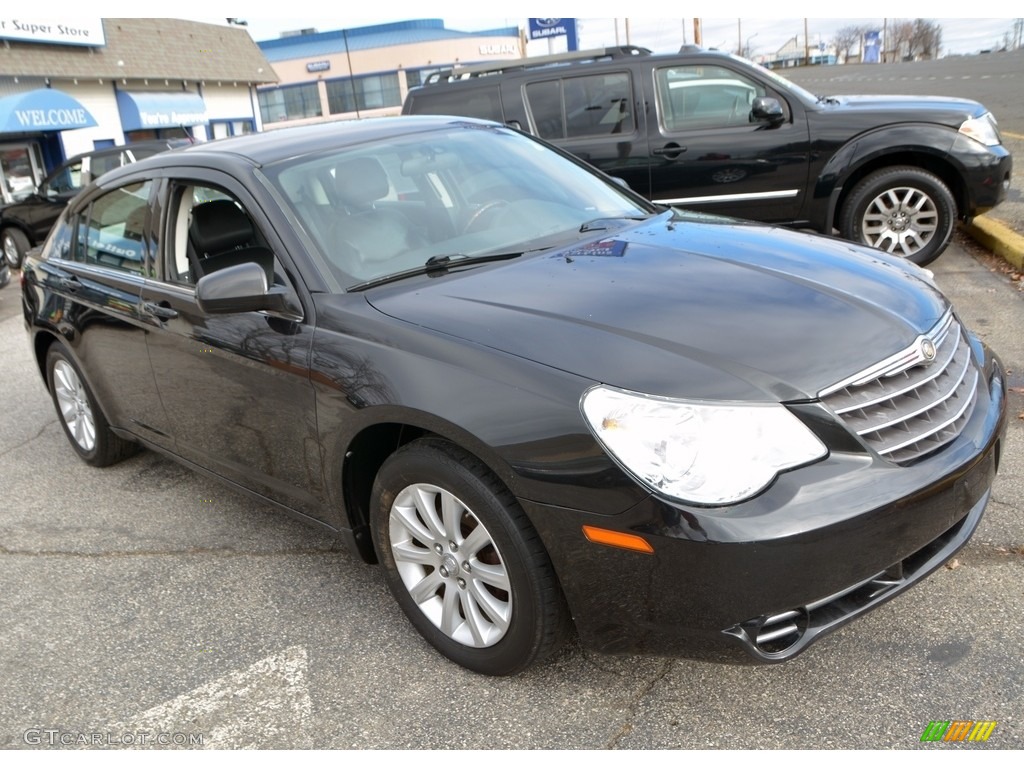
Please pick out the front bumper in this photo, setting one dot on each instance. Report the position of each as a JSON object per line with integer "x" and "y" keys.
{"x": 761, "y": 581}
{"x": 986, "y": 173}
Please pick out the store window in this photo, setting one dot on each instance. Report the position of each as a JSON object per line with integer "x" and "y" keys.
{"x": 290, "y": 102}
{"x": 367, "y": 92}
{"x": 149, "y": 134}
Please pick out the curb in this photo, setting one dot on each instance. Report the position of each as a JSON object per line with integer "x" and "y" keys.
{"x": 999, "y": 239}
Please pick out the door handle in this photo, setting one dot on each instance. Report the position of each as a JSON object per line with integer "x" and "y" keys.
{"x": 68, "y": 283}
{"x": 677, "y": 150}
{"x": 160, "y": 310}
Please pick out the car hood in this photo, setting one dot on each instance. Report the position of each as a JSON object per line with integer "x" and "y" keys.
{"x": 696, "y": 307}
{"x": 951, "y": 111}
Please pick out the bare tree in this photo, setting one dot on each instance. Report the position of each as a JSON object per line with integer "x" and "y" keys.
{"x": 900, "y": 34}
{"x": 846, "y": 39}
{"x": 925, "y": 39}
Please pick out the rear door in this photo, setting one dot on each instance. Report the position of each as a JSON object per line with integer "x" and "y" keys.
{"x": 598, "y": 116}
{"x": 707, "y": 151}
{"x": 100, "y": 257}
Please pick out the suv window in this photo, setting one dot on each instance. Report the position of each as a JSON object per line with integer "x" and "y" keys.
{"x": 100, "y": 164}
{"x": 577, "y": 107}
{"x": 483, "y": 103}
{"x": 111, "y": 231}
{"x": 67, "y": 178}
{"x": 702, "y": 96}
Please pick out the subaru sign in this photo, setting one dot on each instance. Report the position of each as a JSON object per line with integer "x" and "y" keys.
{"x": 541, "y": 29}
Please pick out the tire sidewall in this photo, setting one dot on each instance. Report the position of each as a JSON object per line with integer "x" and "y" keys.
{"x": 57, "y": 354}
{"x": 871, "y": 187}
{"x": 428, "y": 465}
{"x": 20, "y": 245}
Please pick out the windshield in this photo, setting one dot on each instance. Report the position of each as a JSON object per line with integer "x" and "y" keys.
{"x": 466, "y": 190}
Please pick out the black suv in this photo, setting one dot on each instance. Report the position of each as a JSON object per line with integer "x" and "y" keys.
{"x": 711, "y": 131}
{"x": 26, "y": 224}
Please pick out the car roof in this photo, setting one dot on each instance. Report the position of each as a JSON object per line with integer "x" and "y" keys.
{"x": 279, "y": 144}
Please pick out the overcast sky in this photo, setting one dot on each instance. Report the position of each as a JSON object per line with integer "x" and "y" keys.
{"x": 765, "y": 35}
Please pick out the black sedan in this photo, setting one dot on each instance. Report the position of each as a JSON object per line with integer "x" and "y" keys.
{"x": 540, "y": 402}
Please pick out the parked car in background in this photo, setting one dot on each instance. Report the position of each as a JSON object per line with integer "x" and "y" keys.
{"x": 538, "y": 400}
{"x": 710, "y": 131}
{"x": 26, "y": 223}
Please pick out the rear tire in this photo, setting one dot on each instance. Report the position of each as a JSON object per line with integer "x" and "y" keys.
{"x": 463, "y": 561}
{"x": 905, "y": 211}
{"x": 84, "y": 423}
{"x": 15, "y": 245}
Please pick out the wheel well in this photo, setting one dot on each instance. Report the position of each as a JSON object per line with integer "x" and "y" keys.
{"x": 925, "y": 162}
{"x": 363, "y": 459}
{"x": 42, "y": 344}
{"x": 4, "y": 225}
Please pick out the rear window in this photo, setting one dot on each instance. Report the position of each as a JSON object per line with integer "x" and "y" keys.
{"x": 483, "y": 103}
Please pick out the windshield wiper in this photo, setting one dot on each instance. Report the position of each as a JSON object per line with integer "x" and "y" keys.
{"x": 439, "y": 263}
{"x": 607, "y": 222}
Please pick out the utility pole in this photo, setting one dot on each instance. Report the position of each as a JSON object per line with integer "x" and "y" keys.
{"x": 697, "y": 37}
{"x": 807, "y": 46}
{"x": 739, "y": 38}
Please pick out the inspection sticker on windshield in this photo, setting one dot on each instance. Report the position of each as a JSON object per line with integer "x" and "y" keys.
{"x": 600, "y": 248}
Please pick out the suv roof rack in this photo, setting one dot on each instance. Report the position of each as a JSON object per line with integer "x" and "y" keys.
{"x": 508, "y": 65}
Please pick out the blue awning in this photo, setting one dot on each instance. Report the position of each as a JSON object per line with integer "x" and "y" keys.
{"x": 160, "y": 109}
{"x": 44, "y": 109}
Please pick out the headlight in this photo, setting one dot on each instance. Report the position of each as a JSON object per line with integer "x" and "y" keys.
{"x": 983, "y": 129}
{"x": 698, "y": 452}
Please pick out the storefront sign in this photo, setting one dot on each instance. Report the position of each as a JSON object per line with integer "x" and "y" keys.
{"x": 159, "y": 109}
{"x": 318, "y": 66}
{"x": 494, "y": 50}
{"x": 72, "y": 31}
{"x": 44, "y": 109}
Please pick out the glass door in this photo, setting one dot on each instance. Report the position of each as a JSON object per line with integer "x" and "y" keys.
{"x": 20, "y": 171}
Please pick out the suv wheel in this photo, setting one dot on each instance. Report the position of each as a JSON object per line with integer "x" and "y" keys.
{"x": 15, "y": 245}
{"x": 905, "y": 211}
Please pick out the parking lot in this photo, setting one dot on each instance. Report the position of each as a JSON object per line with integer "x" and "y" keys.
{"x": 148, "y": 605}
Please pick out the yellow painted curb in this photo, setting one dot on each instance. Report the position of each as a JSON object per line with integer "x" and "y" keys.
{"x": 999, "y": 239}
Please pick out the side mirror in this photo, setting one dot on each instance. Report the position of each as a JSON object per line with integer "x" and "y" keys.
{"x": 768, "y": 109}
{"x": 621, "y": 182}
{"x": 243, "y": 288}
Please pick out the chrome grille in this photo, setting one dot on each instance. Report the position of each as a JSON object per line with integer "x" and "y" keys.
{"x": 910, "y": 405}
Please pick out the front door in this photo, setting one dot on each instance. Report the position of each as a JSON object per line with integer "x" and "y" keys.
{"x": 709, "y": 153}
{"x": 235, "y": 386}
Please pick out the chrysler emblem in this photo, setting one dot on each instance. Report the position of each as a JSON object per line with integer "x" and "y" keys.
{"x": 927, "y": 350}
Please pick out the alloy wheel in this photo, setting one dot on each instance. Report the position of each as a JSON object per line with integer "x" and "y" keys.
{"x": 901, "y": 220}
{"x": 73, "y": 403}
{"x": 450, "y": 565}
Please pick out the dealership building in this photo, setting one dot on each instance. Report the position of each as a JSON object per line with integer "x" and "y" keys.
{"x": 67, "y": 88}
{"x": 366, "y": 72}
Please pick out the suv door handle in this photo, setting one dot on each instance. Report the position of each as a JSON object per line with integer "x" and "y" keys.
{"x": 160, "y": 310}
{"x": 676, "y": 150}
{"x": 68, "y": 284}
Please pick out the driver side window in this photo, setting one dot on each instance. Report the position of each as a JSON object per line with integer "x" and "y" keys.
{"x": 704, "y": 97}
{"x": 212, "y": 230}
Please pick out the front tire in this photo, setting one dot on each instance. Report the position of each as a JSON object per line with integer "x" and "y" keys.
{"x": 905, "y": 211}
{"x": 15, "y": 245}
{"x": 84, "y": 423}
{"x": 463, "y": 561}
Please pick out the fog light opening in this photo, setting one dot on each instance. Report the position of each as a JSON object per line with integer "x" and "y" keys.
{"x": 777, "y": 634}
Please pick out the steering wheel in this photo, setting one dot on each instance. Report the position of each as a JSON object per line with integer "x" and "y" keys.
{"x": 479, "y": 212}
